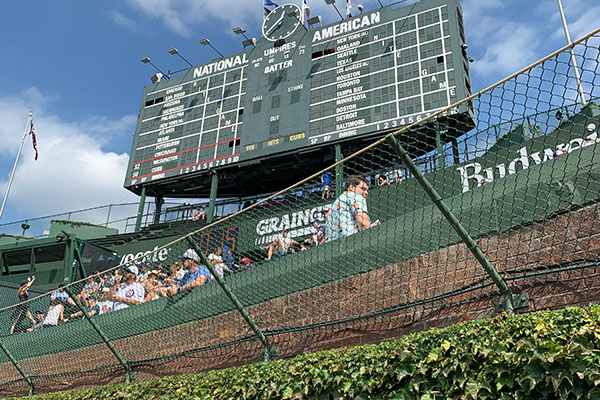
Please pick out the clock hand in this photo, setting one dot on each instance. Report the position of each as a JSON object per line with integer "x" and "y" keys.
{"x": 276, "y": 24}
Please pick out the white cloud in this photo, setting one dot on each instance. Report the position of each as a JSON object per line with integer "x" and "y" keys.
{"x": 512, "y": 47}
{"x": 122, "y": 21}
{"x": 181, "y": 15}
{"x": 72, "y": 172}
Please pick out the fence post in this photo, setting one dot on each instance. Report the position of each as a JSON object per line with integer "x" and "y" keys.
{"x": 24, "y": 374}
{"x": 507, "y": 302}
{"x": 269, "y": 351}
{"x": 105, "y": 339}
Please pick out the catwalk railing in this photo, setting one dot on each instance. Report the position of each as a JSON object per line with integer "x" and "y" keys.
{"x": 509, "y": 202}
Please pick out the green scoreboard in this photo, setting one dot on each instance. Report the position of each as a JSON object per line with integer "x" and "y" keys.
{"x": 271, "y": 114}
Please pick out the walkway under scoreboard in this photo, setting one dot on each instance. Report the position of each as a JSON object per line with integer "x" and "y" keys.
{"x": 270, "y": 114}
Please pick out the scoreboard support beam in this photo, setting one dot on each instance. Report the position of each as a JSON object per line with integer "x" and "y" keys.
{"x": 214, "y": 183}
{"x": 439, "y": 146}
{"x": 138, "y": 221}
{"x": 158, "y": 203}
{"x": 455, "y": 154}
{"x": 339, "y": 171}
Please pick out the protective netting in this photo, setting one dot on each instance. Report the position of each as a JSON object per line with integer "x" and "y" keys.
{"x": 354, "y": 254}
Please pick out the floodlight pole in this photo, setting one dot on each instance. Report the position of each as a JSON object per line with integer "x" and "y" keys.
{"x": 569, "y": 42}
{"x": 12, "y": 174}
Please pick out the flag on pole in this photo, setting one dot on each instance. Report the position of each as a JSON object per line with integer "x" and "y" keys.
{"x": 305, "y": 12}
{"x": 348, "y": 7}
{"x": 267, "y": 11}
{"x": 32, "y": 133}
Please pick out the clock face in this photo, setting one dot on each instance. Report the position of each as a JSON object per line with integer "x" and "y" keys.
{"x": 279, "y": 25}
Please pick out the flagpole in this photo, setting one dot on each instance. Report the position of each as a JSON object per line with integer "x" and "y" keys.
{"x": 573, "y": 61}
{"x": 12, "y": 175}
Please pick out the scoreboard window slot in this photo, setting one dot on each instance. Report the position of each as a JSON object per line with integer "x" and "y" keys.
{"x": 429, "y": 17}
{"x": 234, "y": 143}
{"x": 159, "y": 100}
{"x": 231, "y": 90}
{"x": 230, "y": 104}
{"x": 385, "y": 112}
{"x": 430, "y": 33}
{"x": 233, "y": 76}
{"x": 274, "y": 127}
{"x": 410, "y": 106}
{"x": 410, "y": 88}
{"x": 381, "y": 31}
{"x": 214, "y": 94}
{"x": 295, "y": 97}
{"x": 315, "y": 128}
{"x": 408, "y": 72}
{"x": 317, "y": 54}
{"x": 316, "y": 112}
{"x": 384, "y": 95}
{"x": 216, "y": 80}
{"x": 201, "y": 85}
{"x": 275, "y": 101}
{"x": 256, "y": 107}
{"x": 149, "y": 103}
{"x": 406, "y": 40}
{"x": 384, "y": 78}
{"x": 408, "y": 55}
{"x": 240, "y": 112}
{"x": 211, "y": 123}
{"x": 406, "y": 24}
{"x": 432, "y": 101}
{"x": 440, "y": 59}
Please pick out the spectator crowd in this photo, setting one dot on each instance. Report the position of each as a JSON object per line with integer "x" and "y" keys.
{"x": 132, "y": 285}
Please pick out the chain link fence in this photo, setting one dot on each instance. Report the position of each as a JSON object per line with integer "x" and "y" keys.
{"x": 481, "y": 203}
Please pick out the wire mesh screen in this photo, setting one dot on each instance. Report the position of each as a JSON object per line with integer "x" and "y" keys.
{"x": 356, "y": 253}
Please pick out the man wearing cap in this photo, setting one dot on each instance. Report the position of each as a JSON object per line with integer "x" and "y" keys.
{"x": 196, "y": 275}
{"x": 131, "y": 292}
{"x": 318, "y": 236}
{"x": 227, "y": 258}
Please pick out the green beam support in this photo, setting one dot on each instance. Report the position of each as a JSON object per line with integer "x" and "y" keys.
{"x": 158, "y": 203}
{"x": 439, "y": 148}
{"x": 214, "y": 183}
{"x": 507, "y": 299}
{"x": 24, "y": 374}
{"x": 100, "y": 332}
{"x": 339, "y": 171}
{"x": 140, "y": 214}
{"x": 455, "y": 153}
{"x": 268, "y": 351}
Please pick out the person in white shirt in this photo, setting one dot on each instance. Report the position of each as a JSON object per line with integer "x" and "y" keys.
{"x": 54, "y": 316}
{"x": 131, "y": 292}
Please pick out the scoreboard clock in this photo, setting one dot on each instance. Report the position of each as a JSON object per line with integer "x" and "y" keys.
{"x": 271, "y": 114}
{"x": 281, "y": 22}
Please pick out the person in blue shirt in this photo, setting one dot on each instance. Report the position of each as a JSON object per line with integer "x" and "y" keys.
{"x": 227, "y": 258}
{"x": 326, "y": 182}
{"x": 196, "y": 275}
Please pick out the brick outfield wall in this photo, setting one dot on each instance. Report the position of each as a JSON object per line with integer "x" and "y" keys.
{"x": 571, "y": 238}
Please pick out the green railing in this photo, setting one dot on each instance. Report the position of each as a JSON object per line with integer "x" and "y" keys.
{"x": 518, "y": 208}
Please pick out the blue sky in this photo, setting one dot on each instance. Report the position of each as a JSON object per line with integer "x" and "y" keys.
{"x": 76, "y": 65}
